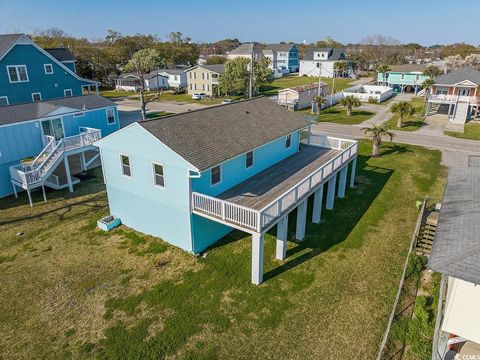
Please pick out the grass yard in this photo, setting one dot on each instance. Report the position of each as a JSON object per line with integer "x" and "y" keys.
{"x": 411, "y": 123}
{"x": 337, "y": 114}
{"x": 295, "y": 80}
{"x": 115, "y": 93}
{"x": 472, "y": 132}
{"x": 71, "y": 291}
{"x": 157, "y": 114}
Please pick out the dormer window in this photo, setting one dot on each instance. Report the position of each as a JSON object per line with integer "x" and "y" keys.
{"x": 48, "y": 68}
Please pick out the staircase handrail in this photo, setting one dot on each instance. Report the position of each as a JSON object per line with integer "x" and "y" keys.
{"x": 49, "y": 146}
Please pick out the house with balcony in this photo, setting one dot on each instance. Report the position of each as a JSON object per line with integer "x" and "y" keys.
{"x": 456, "y": 95}
{"x": 321, "y": 61}
{"x": 46, "y": 143}
{"x": 192, "y": 178}
{"x": 204, "y": 79}
{"x": 403, "y": 78}
{"x": 29, "y": 73}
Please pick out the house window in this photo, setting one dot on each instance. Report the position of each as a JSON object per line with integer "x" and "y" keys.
{"x": 17, "y": 73}
{"x": 288, "y": 141}
{"x": 191, "y": 87}
{"x": 402, "y": 76}
{"x": 249, "y": 159}
{"x": 110, "y": 116}
{"x": 36, "y": 96}
{"x": 175, "y": 77}
{"x": 158, "y": 178}
{"x": 89, "y": 89}
{"x": 3, "y": 101}
{"x": 68, "y": 93}
{"x": 215, "y": 175}
{"x": 125, "y": 165}
{"x": 48, "y": 68}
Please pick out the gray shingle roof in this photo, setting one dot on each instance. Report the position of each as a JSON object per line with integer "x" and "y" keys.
{"x": 407, "y": 68}
{"x": 6, "y": 41}
{"x": 217, "y": 68}
{"x": 31, "y": 111}
{"x": 246, "y": 49}
{"x": 280, "y": 47}
{"x": 61, "y": 54}
{"x": 456, "y": 247}
{"x": 333, "y": 54}
{"x": 456, "y": 76}
{"x": 210, "y": 136}
{"x": 172, "y": 71}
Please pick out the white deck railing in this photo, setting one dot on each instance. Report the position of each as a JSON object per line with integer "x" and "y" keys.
{"x": 257, "y": 220}
{"x": 35, "y": 172}
{"x": 452, "y": 98}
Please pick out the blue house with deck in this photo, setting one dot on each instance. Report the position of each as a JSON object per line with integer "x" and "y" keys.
{"x": 192, "y": 178}
{"x": 29, "y": 73}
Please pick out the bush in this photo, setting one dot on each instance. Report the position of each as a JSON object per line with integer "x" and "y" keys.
{"x": 372, "y": 100}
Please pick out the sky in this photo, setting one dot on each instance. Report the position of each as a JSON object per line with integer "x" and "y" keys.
{"x": 426, "y": 22}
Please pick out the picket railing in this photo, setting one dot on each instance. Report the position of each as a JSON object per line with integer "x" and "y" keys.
{"x": 453, "y": 98}
{"x": 258, "y": 220}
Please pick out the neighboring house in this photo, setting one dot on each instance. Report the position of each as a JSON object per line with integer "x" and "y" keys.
{"x": 132, "y": 82}
{"x": 65, "y": 57}
{"x": 204, "y": 79}
{"x": 192, "y": 178}
{"x": 45, "y": 134}
{"x": 321, "y": 61}
{"x": 369, "y": 93}
{"x": 455, "y": 94}
{"x": 176, "y": 78}
{"x": 301, "y": 97}
{"x": 246, "y": 51}
{"x": 403, "y": 78}
{"x": 456, "y": 254}
{"x": 29, "y": 73}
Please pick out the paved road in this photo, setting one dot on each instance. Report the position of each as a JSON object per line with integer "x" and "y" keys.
{"x": 455, "y": 151}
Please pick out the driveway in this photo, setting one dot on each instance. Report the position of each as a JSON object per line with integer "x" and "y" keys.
{"x": 382, "y": 111}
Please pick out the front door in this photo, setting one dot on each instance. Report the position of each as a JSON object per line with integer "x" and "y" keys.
{"x": 53, "y": 128}
{"x": 463, "y": 92}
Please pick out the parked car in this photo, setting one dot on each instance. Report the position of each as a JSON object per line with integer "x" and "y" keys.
{"x": 199, "y": 96}
{"x": 227, "y": 101}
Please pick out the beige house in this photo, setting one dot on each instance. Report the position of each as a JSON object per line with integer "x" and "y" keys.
{"x": 204, "y": 79}
{"x": 301, "y": 97}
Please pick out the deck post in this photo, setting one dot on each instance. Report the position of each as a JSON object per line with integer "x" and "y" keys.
{"x": 29, "y": 196}
{"x": 317, "y": 205}
{"x": 342, "y": 182}
{"x": 301, "y": 220}
{"x": 82, "y": 161}
{"x": 67, "y": 171}
{"x": 44, "y": 194}
{"x": 352, "y": 174}
{"x": 15, "y": 190}
{"x": 257, "y": 258}
{"x": 281, "y": 246}
{"x": 331, "y": 192}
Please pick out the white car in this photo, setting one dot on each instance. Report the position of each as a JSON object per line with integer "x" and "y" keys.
{"x": 227, "y": 101}
{"x": 199, "y": 96}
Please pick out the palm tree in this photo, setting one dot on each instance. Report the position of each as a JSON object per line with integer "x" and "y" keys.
{"x": 377, "y": 133}
{"x": 349, "y": 102}
{"x": 338, "y": 67}
{"x": 477, "y": 95}
{"x": 383, "y": 69}
{"x": 319, "y": 101}
{"x": 427, "y": 84}
{"x": 432, "y": 71}
{"x": 403, "y": 109}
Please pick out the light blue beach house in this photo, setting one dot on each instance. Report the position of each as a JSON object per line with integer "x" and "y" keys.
{"x": 192, "y": 178}
{"x": 403, "y": 78}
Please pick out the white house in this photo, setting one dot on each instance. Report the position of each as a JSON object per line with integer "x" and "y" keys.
{"x": 132, "y": 82}
{"x": 301, "y": 97}
{"x": 177, "y": 78}
{"x": 316, "y": 60}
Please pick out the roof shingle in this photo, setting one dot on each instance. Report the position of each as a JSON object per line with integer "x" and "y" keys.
{"x": 456, "y": 76}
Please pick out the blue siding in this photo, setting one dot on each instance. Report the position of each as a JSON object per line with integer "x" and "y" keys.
{"x": 49, "y": 85}
{"x": 96, "y": 119}
{"x": 70, "y": 65}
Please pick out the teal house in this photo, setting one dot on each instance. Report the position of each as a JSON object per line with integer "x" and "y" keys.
{"x": 192, "y": 178}
{"x": 29, "y": 73}
{"x": 403, "y": 78}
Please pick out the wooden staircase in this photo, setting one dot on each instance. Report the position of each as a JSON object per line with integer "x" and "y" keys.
{"x": 427, "y": 233}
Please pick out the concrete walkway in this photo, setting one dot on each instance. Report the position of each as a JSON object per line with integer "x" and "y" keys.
{"x": 382, "y": 111}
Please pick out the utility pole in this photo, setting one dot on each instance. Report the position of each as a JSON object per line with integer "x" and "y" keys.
{"x": 319, "y": 78}
{"x": 250, "y": 77}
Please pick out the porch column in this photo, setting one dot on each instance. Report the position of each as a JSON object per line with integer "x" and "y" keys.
{"x": 342, "y": 182}
{"x": 67, "y": 171}
{"x": 14, "y": 189}
{"x": 301, "y": 220}
{"x": 29, "y": 196}
{"x": 82, "y": 161}
{"x": 449, "y": 110}
{"x": 352, "y": 174}
{"x": 317, "y": 205}
{"x": 257, "y": 258}
{"x": 331, "y": 192}
{"x": 281, "y": 248}
{"x": 44, "y": 194}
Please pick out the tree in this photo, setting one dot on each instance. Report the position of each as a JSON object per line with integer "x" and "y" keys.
{"x": 427, "y": 84}
{"x": 338, "y": 67}
{"x": 235, "y": 78}
{"x": 328, "y": 42}
{"x": 460, "y": 49}
{"x": 349, "y": 102}
{"x": 403, "y": 109}
{"x": 383, "y": 69}
{"x": 142, "y": 63}
{"x": 319, "y": 101}
{"x": 378, "y": 49}
{"x": 216, "y": 59}
{"x": 432, "y": 71}
{"x": 473, "y": 60}
{"x": 453, "y": 62}
{"x": 377, "y": 133}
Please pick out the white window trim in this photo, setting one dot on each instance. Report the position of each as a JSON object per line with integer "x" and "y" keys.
{"x": 6, "y": 98}
{"x": 65, "y": 92}
{"x": 114, "y": 117}
{"x": 129, "y": 166}
{"x": 18, "y": 74}
{"x": 290, "y": 145}
{"x": 37, "y": 93}
{"x": 221, "y": 175}
{"x": 154, "y": 175}
{"x": 253, "y": 159}
{"x": 45, "y": 68}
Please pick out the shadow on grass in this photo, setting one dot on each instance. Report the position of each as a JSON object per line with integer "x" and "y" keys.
{"x": 395, "y": 149}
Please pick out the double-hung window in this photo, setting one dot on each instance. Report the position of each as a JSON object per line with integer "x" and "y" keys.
{"x": 110, "y": 116}
{"x": 158, "y": 177}
{"x": 125, "y": 162}
{"x": 68, "y": 93}
{"x": 36, "y": 97}
{"x": 249, "y": 159}
{"x": 17, "y": 73}
{"x": 3, "y": 101}
{"x": 288, "y": 141}
{"x": 216, "y": 175}
{"x": 48, "y": 68}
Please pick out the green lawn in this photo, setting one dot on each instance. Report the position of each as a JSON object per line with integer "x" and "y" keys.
{"x": 295, "y": 80}
{"x": 115, "y": 93}
{"x": 157, "y": 114}
{"x": 337, "y": 114}
{"x": 187, "y": 98}
{"x": 71, "y": 291}
{"x": 472, "y": 132}
{"x": 412, "y": 123}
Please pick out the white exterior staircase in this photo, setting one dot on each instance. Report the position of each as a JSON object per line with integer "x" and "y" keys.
{"x": 461, "y": 110}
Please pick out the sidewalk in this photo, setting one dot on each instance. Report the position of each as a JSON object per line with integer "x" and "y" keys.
{"x": 382, "y": 111}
